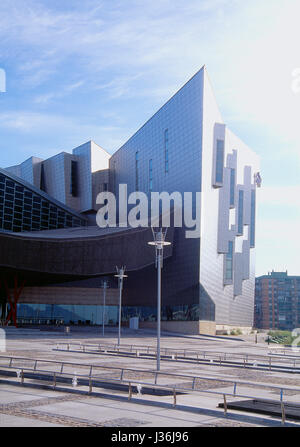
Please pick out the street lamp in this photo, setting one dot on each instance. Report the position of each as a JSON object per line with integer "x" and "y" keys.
{"x": 121, "y": 276}
{"x": 159, "y": 242}
{"x": 104, "y": 287}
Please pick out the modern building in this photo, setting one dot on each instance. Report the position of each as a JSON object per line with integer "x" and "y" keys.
{"x": 209, "y": 278}
{"x": 277, "y": 301}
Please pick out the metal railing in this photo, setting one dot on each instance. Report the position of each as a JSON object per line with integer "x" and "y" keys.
{"x": 270, "y": 362}
{"x": 95, "y": 376}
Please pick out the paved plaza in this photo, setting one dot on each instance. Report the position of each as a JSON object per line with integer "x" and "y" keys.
{"x": 30, "y": 405}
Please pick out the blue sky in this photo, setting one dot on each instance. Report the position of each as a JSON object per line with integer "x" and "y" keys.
{"x": 99, "y": 69}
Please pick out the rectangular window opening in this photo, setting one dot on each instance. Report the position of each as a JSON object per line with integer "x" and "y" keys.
{"x": 219, "y": 161}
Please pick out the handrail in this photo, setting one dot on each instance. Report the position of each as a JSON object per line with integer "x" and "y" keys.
{"x": 174, "y": 388}
{"x": 120, "y": 369}
{"x": 184, "y": 352}
{"x": 218, "y": 357}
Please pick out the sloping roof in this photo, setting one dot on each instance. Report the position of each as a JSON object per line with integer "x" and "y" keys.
{"x": 40, "y": 193}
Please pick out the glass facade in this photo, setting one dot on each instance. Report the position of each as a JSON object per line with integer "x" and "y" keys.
{"x": 184, "y": 312}
{"x": 229, "y": 262}
{"x": 219, "y": 161}
{"x": 252, "y": 220}
{"x": 66, "y": 314}
{"x": 22, "y": 209}
{"x": 232, "y": 187}
{"x": 241, "y": 212}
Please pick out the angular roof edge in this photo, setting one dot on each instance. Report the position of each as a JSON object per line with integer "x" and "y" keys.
{"x": 38, "y": 191}
{"x": 192, "y": 77}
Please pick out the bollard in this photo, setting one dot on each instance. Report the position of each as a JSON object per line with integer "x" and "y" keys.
{"x": 22, "y": 377}
{"x": 234, "y": 389}
{"x": 54, "y": 380}
{"x": 174, "y": 397}
{"x": 90, "y": 386}
{"x": 139, "y": 389}
{"x": 129, "y": 392}
{"x": 74, "y": 380}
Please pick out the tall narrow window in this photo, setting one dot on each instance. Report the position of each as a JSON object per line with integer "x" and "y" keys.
{"x": 232, "y": 187}
{"x": 229, "y": 262}
{"x": 219, "y": 161}
{"x": 150, "y": 175}
{"x": 252, "y": 220}
{"x": 74, "y": 178}
{"x": 114, "y": 177}
{"x": 42, "y": 180}
{"x": 166, "y": 144}
{"x": 241, "y": 212}
{"x": 136, "y": 171}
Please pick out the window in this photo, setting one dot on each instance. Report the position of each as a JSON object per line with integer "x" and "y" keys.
{"x": 136, "y": 171}
{"x": 166, "y": 145}
{"x": 229, "y": 262}
{"x": 219, "y": 161}
{"x": 43, "y": 182}
{"x": 150, "y": 175}
{"x": 74, "y": 179}
{"x": 232, "y": 187}
{"x": 252, "y": 220}
{"x": 241, "y": 212}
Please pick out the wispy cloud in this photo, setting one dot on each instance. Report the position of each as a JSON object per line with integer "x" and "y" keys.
{"x": 58, "y": 94}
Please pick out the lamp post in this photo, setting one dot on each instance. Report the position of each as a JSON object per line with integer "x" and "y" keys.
{"x": 159, "y": 242}
{"x": 104, "y": 287}
{"x": 121, "y": 276}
